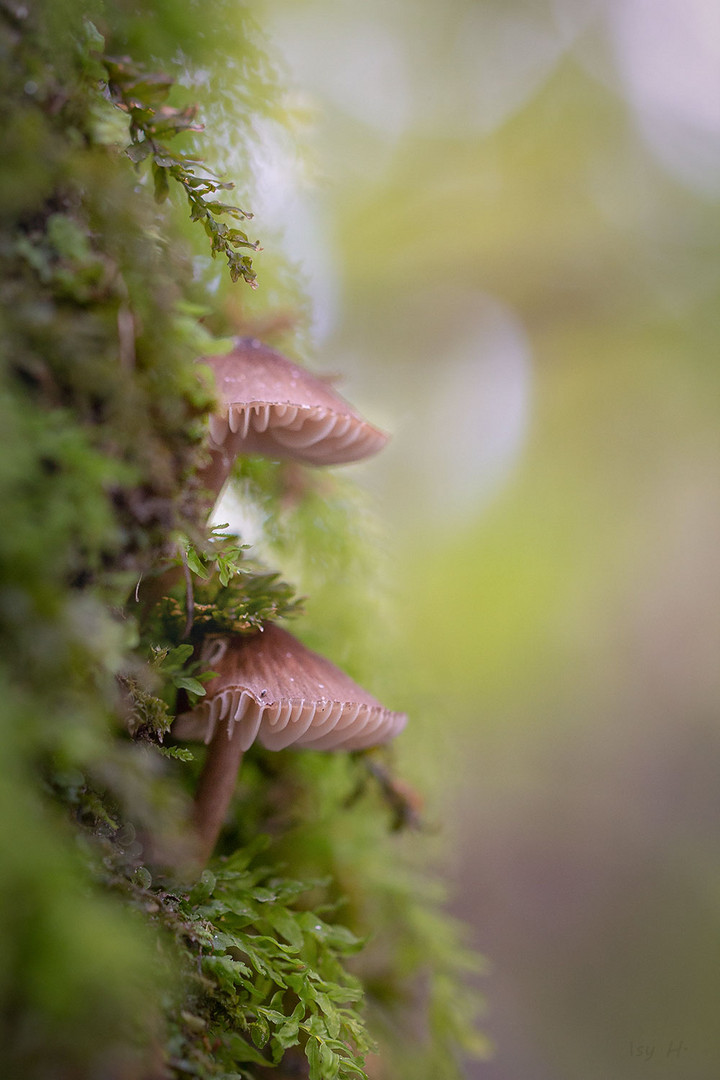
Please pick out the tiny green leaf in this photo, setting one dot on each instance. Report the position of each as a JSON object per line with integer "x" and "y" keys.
{"x": 162, "y": 188}
{"x": 186, "y": 682}
{"x": 179, "y": 753}
{"x": 138, "y": 151}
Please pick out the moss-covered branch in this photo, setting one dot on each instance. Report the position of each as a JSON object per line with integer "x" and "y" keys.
{"x": 116, "y": 960}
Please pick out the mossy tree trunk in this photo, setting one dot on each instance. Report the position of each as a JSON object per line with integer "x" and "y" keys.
{"x": 118, "y": 962}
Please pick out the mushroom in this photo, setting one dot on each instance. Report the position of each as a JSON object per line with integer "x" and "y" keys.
{"x": 271, "y": 406}
{"x": 272, "y": 689}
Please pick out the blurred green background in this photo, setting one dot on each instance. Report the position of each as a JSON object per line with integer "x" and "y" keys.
{"x": 507, "y": 213}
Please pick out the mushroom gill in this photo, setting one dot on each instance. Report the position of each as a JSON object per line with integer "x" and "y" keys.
{"x": 272, "y": 406}
{"x": 273, "y": 689}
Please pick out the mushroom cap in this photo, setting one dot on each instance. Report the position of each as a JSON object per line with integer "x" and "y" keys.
{"x": 284, "y": 694}
{"x": 271, "y": 406}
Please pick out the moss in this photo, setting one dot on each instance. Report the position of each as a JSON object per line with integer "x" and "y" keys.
{"x": 117, "y": 963}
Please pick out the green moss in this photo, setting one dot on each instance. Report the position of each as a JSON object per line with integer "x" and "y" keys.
{"x": 115, "y": 961}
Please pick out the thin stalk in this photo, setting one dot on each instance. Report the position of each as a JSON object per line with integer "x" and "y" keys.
{"x": 216, "y": 473}
{"x": 216, "y": 786}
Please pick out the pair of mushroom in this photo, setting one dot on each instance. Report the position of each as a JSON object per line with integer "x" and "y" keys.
{"x": 270, "y": 687}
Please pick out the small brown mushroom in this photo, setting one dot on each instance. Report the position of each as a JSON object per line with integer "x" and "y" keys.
{"x": 271, "y": 406}
{"x": 270, "y": 687}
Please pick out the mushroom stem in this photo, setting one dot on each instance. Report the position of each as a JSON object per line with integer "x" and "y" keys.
{"x": 216, "y": 786}
{"x": 213, "y": 476}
